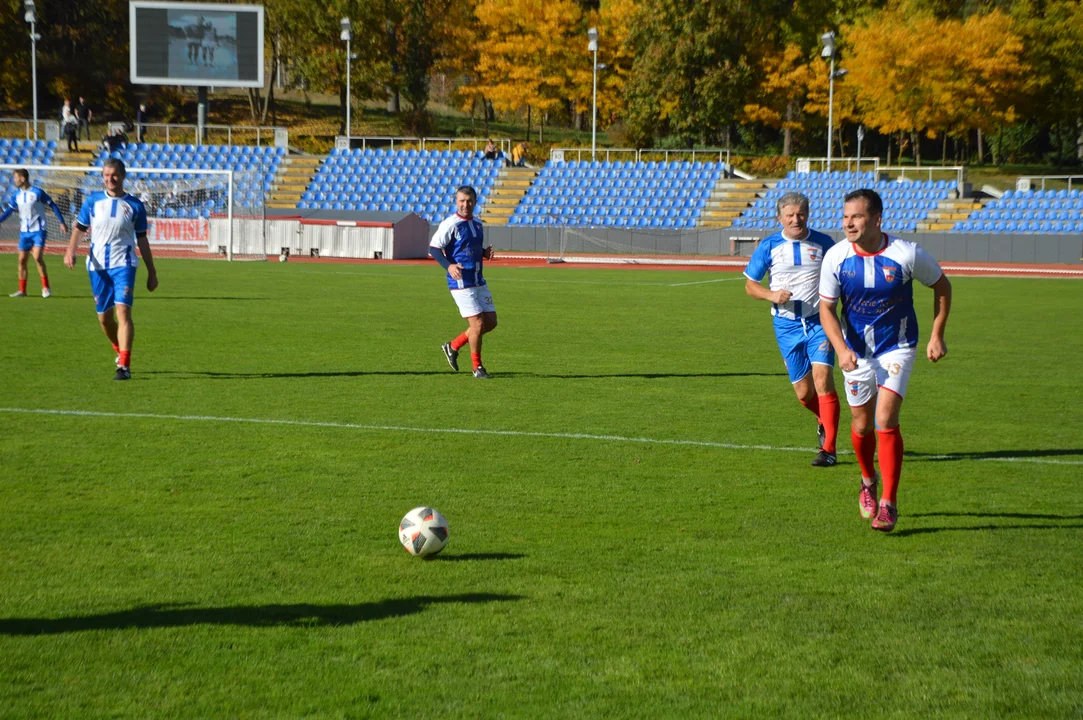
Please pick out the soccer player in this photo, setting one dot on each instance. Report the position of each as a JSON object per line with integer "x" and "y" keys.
{"x": 30, "y": 203}
{"x": 872, "y": 275}
{"x": 792, "y": 257}
{"x": 458, "y": 246}
{"x": 117, "y": 223}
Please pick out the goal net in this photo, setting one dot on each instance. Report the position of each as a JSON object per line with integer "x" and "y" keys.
{"x": 610, "y": 246}
{"x": 190, "y": 212}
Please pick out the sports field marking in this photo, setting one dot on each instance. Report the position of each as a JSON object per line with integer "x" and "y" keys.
{"x": 705, "y": 282}
{"x": 469, "y": 431}
{"x": 502, "y": 280}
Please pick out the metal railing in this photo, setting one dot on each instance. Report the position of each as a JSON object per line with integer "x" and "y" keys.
{"x": 46, "y": 129}
{"x": 172, "y": 133}
{"x": 926, "y": 173}
{"x": 821, "y": 164}
{"x": 387, "y": 142}
{"x": 637, "y": 155}
{"x": 1026, "y": 183}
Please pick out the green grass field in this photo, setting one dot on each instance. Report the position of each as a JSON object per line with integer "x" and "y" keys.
{"x": 217, "y": 537}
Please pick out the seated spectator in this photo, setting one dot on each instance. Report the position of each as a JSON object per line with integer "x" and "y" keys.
{"x": 518, "y": 154}
{"x": 490, "y": 150}
{"x": 116, "y": 141}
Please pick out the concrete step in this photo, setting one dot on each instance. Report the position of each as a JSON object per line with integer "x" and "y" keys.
{"x": 281, "y": 205}
{"x": 504, "y": 212}
{"x": 935, "y": 227}
{"x": 706, "y": 223}
{"x": 722, "y": 214}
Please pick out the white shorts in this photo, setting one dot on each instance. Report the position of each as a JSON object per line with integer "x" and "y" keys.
{"x": 473, "y": 301}
{"x": 890, "y": 371}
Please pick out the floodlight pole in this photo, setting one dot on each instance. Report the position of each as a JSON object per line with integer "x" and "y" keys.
{"x": 828, "y": 40}
{"x": 345, "y": 35}
{"x": 592, "y": 46}
{"x": 32, "y": 18}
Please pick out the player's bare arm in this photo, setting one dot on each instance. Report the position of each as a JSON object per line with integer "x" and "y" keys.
{"x": 937, "y": 348}
{"x": 833, "y": 329}
{"x": 758, "y": 291}
{"x": 148, "y": 260}
{"x": 77, "y": 234}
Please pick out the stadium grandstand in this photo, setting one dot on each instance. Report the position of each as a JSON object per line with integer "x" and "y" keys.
{"x": 1033, "y": 211}
{"x": 630, "y": 194}
{"x": 418, "y": 181}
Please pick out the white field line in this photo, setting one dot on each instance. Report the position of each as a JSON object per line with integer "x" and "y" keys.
{"x": 502, "y": 280}
{"x": 705, "y": 282}
{"x": 469, "y": 431}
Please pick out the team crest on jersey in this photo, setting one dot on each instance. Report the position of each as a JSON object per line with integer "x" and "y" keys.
{"x": 889, "y": 273}
{"x": 814, "y": 254}
{"x": 854, "y": 387}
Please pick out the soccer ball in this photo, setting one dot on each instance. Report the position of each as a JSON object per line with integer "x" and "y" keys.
{"x": 423, "y": 531}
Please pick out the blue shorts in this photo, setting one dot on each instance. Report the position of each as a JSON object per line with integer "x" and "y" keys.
{"x": 29, "y": 240}
{"x": 112, "y": 287}
{"x": 802, "y": 345}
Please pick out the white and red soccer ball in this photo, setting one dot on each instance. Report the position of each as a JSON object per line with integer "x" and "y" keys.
{"x": 423, "y": 531}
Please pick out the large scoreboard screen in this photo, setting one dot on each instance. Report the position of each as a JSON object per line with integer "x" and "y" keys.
{"x": 186, "y": 43}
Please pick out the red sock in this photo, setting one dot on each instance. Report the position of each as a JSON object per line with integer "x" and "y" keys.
{"x": 813, "y": 405}
{"x": 864, "y": 448}
{"x": 476, "y": 358}
{"x": 829, "y": 418}
{"x": 459, "y": 342}
{"x": 45, "y": 282}
{"x": 891, "y": 458}
{"x": 116, "y": 348}
{"x": 22, "y": 285}
{"x": 125, "y": 358}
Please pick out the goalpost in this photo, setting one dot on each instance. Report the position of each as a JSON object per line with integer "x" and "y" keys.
{"x": 188, "y": 210}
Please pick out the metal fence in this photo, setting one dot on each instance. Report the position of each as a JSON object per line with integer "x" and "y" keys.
{"x": 845, "y": 164}
{"x": 173, "y": 133}
{"x": 1056, "y": 182}
{"x": 640, "y": 155}
{"x": 387, "y": 142}
{"x": 28, "y": 129}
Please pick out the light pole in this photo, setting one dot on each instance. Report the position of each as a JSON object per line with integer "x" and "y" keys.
{"x": 345, "y": 35}
{"x": 32, "y": 18}
{"x": 592, "y": 46}
{"x": 828, "y": 40}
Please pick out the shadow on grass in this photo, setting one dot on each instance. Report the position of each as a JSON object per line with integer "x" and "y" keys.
{"x": 145, "y": 297}
{"x": 1016, "y": 516}
{"x": 907, "y": 532}
{"x": 302, "y": 615}
{"x": 646, "y": 376}
{"x": 212, "y": 375}
{"x": 995, "y": 455}
{"x": 469, "y": 557}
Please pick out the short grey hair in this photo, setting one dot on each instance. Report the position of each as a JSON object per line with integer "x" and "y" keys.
{"x": 791, "y": 198}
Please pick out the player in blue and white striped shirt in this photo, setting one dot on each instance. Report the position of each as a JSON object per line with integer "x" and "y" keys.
{"x": 30, "y": 203}
{"x": 872, "y": 275}
{"x": 459, "y": 247}
{"x": 792, "y": 257}
{"x": 117, "y": 223}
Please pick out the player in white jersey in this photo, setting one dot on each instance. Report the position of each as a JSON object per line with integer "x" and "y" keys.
{"x": 872, "y": 275}
{"x": 793, "y": 257}
{"x": 30, "y": 203}
{"x": 459, "y": 247}
{"x": 117, "y": 223}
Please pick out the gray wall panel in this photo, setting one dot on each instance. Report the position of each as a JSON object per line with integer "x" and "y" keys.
{"x": 1000, "y": 249}
{"x": 933, "y": 244}
{"x": 977, "y": 249}
{"x": 1023, "y": 248}
{"x": 1046, "y": 250}
{"x": 1071, "y": 249}
{"x": 954, "y": 248}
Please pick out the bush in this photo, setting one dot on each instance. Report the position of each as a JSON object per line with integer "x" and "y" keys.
{"x": 772, "y": 166}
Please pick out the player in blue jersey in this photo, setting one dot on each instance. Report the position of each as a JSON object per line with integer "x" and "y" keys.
{"x": 459, "y": 247}
{"x": 792, "y": 257}
{"x": 117, "y": 223}
{"x": 872, "y": 276}
{"x": 30, "y": 203}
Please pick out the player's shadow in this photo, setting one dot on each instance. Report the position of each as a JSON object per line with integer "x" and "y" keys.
{"x": 645, "y": 376}
{"x": 300, "y": 615}
{"x": 994, "y": 455}
{"x": 1012, "y": 515}
{"x": 187, "y": 298}
{"x": 992, "y": 527}
{"x": 473, "y": 557}
{"x": 213, "y": 375}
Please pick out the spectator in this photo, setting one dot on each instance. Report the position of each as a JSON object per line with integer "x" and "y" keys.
{"x": 116, "y": 141}
{"x": 490, "y": 150}
{"x": 518, "y": 154}
{"x": 71, "y": 126}
{"x": 140, "y": 122}
{"x": 84, "y": 114}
